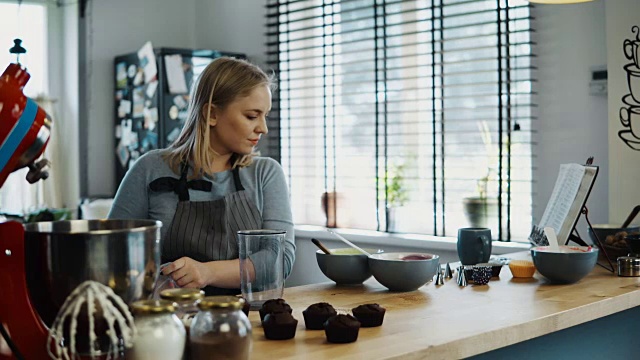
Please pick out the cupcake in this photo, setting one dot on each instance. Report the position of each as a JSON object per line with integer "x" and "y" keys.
{"x": 495, "y": 268}
{"x": 341, "y": 329}
{"x": 369, "y": 315}
{"x": 279, "y": 325}
{"x": 522, "y": 268}
{"x": 315, "y": 315}
{"x": 274, "y": 305}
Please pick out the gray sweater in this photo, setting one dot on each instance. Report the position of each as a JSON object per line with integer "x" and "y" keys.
{"x": 263, "y": 180}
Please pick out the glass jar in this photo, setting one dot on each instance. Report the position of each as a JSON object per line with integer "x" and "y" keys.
{"x": 160, "y": 334}
{"x": 220, "y": 328}
{"x": 187, "y": 303}
{"x": 245, "y": 304}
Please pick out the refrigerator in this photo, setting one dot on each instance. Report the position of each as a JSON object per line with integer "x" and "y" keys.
{"x": 151, "y": 96}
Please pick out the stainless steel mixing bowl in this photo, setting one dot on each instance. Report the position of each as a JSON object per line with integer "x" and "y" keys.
{"x": 60, "y": 255}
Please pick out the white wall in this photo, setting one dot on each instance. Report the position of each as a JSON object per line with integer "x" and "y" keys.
{"x": 116, "y": 27}
{"x": 624, "y": 177}
{"x": 235, "y": 26}
{"x": 63, "y": 55}
{"x": 571, "y": 124}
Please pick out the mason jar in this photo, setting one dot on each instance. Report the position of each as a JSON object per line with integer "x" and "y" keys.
{"x": 187, "y": 303}
{"x": 220, "y": 328}
{"x": 160, "y": 334}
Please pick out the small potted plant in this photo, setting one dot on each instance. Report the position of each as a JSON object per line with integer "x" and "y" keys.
{"x": 396, "y": 192}
{"x": 478, "y": 209}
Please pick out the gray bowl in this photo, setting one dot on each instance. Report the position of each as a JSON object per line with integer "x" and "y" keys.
{"x": 345, "y": 266}
{"x": 564, "y": 267}
{"x": 403, "y": 275}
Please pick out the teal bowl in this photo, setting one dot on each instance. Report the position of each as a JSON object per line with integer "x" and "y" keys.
{"x": 397, "y": 274}
{"x": 567, "y": 266}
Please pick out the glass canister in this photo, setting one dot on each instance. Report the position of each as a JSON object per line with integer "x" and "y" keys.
{"x": 261, "y": 265}
{"x": 220, "y": 330}
{"x": 187, "y": 302}
{"x": 160, "y": 334}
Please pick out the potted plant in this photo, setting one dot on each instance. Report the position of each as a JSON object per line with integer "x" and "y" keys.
{"x": 396, "y": 194}
{"x": 479, "y": 208}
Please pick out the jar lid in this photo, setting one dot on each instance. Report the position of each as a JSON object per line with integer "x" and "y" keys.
{"x": 221, "y": 302}
{"x": 153, "y": 307}
{"x": 182, "y": 294}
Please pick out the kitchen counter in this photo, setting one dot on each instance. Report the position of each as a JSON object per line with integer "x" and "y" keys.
{"x": 449, "y": 321}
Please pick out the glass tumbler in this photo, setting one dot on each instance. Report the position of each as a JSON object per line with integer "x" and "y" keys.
{"x": 261, "y": 265}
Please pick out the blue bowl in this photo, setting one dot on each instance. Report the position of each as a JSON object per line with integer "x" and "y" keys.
{"x": 568, "y": 266}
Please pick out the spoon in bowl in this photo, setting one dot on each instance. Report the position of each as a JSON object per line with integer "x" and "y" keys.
{"x": 348, "y": 242}
{"x": 317, "y": 243}
{"x": 552, "y": 238}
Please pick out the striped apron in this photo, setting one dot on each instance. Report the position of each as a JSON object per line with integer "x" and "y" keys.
{"x": 206, "y": 230}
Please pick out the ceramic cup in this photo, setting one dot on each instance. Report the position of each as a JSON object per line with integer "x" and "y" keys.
{"x": 474, "y": 245}
{"x": 630, "y": 117}
{"x": 632, "y": 51}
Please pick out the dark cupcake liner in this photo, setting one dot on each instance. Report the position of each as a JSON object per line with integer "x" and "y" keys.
{"x": 280, "y": 332}
{"x": 315, "y": 322}
{"x": 341, "y": 335}
{"x": 481, "y": 275}
{"x": 369, "y": 320}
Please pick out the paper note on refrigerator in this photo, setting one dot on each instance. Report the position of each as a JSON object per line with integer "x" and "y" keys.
{"x": 148, "y": 62}
{"x": 175, "y": 75}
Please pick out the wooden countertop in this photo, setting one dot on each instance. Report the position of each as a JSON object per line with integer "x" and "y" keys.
{"x": 449, "y": 321}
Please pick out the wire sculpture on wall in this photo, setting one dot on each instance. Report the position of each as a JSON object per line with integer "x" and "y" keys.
{"x": 630, "y": 112}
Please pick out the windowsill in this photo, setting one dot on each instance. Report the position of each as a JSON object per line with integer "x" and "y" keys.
{"x": 409, "y": 240}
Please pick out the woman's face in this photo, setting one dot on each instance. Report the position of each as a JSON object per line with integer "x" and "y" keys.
{"x": 238, "y": 127}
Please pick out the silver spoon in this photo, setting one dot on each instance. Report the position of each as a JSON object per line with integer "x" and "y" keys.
{"x": 348, "y": 242}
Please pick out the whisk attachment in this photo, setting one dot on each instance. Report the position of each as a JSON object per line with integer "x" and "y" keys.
{"x": 101, "y": 304}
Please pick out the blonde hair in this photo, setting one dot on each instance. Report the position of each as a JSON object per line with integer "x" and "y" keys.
{"x": 222, "y": 81}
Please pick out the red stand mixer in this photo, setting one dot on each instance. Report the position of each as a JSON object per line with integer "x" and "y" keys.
{"x": 24, "y": 134}
{"x": 42, "y": 263}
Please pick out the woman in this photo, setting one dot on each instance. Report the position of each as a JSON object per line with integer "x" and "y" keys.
{"x": 209, "y": 183}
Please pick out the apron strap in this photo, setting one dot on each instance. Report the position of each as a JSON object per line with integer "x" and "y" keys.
{"x": 236, "y": 179}
{"x": 180, "y": 186}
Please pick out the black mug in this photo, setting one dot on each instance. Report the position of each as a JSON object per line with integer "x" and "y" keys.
{"x": 474, "y": 245}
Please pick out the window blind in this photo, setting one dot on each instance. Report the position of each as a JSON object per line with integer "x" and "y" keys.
{"x": 405, "y": 116}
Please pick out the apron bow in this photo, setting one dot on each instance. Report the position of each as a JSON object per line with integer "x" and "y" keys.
{"x": 181, "y": 188}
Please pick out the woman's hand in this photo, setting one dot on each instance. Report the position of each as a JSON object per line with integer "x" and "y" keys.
{"x": 189, "y": 273}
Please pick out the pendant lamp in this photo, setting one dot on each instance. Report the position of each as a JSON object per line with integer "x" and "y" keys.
{"x": 17, "y": 48}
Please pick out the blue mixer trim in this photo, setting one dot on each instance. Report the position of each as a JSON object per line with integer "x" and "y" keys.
{"x": 19, "y": 131}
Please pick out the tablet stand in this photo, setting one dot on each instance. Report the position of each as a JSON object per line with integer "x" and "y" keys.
{"x": 578, "y": 240}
